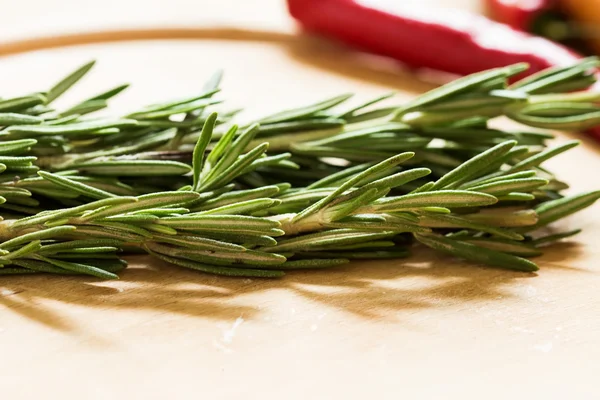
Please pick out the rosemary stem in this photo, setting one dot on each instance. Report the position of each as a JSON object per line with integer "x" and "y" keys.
{"x": 309, "y": 224}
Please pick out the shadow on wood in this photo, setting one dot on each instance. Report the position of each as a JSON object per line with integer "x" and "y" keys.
{"x": 373, "y": 290}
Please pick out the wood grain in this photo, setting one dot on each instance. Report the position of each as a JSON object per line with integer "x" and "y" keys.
{"x": 428, "y": 327}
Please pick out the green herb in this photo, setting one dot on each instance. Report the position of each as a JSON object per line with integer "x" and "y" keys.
{"x": 308, "y": 187}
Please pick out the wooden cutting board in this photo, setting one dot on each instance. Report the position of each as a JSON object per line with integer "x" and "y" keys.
{"x": 427, "y": 327}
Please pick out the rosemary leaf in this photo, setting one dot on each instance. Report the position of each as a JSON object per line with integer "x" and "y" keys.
{"x": 475, "y": 253}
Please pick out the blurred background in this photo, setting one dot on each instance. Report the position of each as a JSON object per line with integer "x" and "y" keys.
{"x": 572, "y": 23}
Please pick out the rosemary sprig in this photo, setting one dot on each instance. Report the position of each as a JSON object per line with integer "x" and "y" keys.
{"x": 192, "y": 187}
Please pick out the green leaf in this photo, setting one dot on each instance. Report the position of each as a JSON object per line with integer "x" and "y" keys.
{"x": 109, "y": 93}
{"x": 133, "y": 168}
{"x": 303, "y": 112}
{"x": 352, "y": 135}
{"x": 339, "y": 177}
{"x": 516, "y": 196}
{"x": 381, "y": 186}
{"x": 198, "y": 243}
{"x": 505, "y": 246}
{"x": 97, "y": 127}
{"x": 238, "y": 196}
{"x": 549, "y": 77}
{"x": 426, "y": 187}
{"x": 72, "y": 245}
{"x": 506, "y": 218}
{"x": 358, "y": 155}
{"x": 510, "y": 185}
{"x": 354, "y": 255}
{"x": 318, "y": 263}
{"x": 218, "y": 151}
{"x": 22, "y": 103}
{"x": 554, "y": 210}
{"x": 301, "y": 126}
{"x": 153, "y": 200}
{"x": 366, "y": 104}
{"x": 398, "y": 179}
{"x": 161, "y": 211}
{"x": 516, "y": 175}
{"x": 74, "y": 211}
{"x": 200, "y": 148}
{"x": 108, "y": 233}
{"x": 331, "y": 239}
{"x": 173, "y": 104}
{"x": 453, "y": 221}
{"x": 7, "y": 119}
{"x": 231, "y": 154}
{"x": 86, "y": 107}
{"x": 539, "y": 158}
{"x": 346, "y": 205}
{"x": 77, "y": 187}
{"x": 248, "y": 257}
{"x": 223, "y": 223}
{"x": 548, "y": 239}
{"x": 242, "y": 207}
{"x": 79, "y": 268}
{"x": 123, "y": 227}
{"x": 30, "y": 248}
{"x": 50, "y": 233}
{"x": 15, "y": 147}
{"x": 219, "y": 270}
{"x": 132, "y": 218}
{"x": 280, "y": 161}
{"x": 384, "y": 112}
{"x": 165, "y": 111}
{"x": 462, "y": 85}
{"x": 440, "y": 198}
{"x": 235, "y": 169}
{"x": 246, "y": 240}
{"x": 91, "y": 250}
{"x": 475, "y": 253}
{"x": 165, "y": 230}
{"x": 67, "y": 82}
{"x": 377, "y": 168}
{"x": 386, "y": 226}
{"x": 471, "y": 168}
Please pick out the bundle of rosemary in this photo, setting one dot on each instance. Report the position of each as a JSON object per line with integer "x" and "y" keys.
{"x": 192, "y": 187}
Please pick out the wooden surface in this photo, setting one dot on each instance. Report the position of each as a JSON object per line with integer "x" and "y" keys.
{"x": 428, "y": 327}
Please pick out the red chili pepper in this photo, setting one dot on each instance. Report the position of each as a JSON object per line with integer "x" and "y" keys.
{"x": 447, "y": 40}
